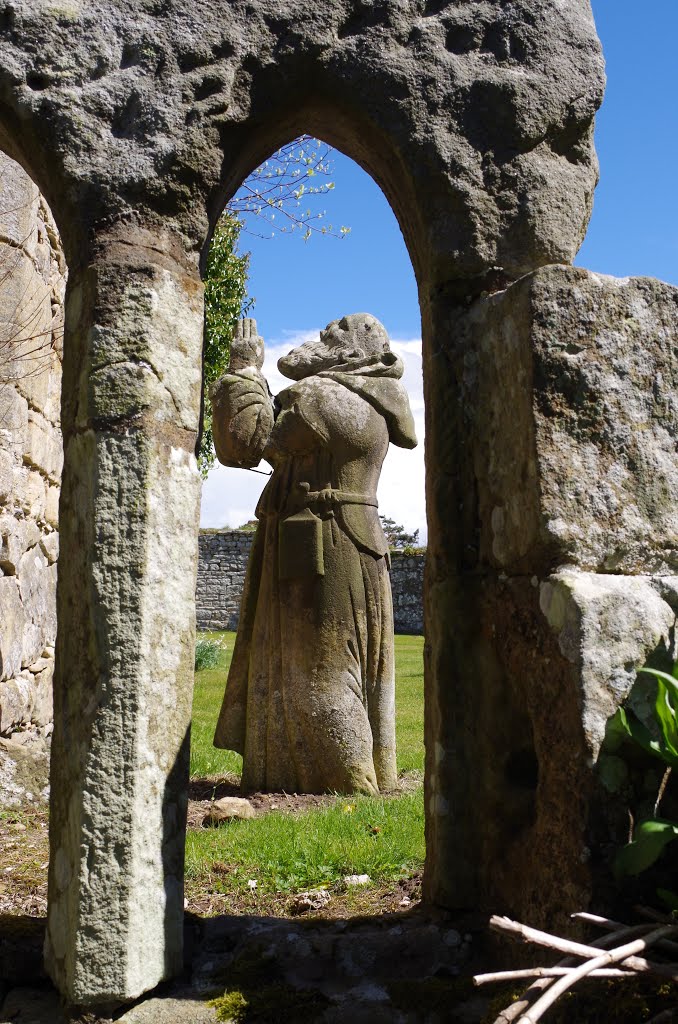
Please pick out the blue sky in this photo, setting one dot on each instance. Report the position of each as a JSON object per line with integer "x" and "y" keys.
{"x": 300, "y": 286}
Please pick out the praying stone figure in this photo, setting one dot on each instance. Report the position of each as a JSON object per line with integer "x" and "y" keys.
{"x": 310, "y": 699}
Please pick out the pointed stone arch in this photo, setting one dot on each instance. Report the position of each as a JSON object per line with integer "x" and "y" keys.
{"x": 476, "y": 121}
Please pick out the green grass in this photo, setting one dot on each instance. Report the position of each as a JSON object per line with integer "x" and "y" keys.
{"x": 381, "y": 837}
{"x": 207, "y": 696}
{"x": 409, "y": 655}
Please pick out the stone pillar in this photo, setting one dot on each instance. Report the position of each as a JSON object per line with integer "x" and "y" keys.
{"x": 552, "y": 563}
{"x": 126, "y": 618}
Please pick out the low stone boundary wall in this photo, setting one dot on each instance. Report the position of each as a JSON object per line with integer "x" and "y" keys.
{"x": 221, "y": 576}
{"x": 407, "y": 587}
{"x": 222, "y": 563}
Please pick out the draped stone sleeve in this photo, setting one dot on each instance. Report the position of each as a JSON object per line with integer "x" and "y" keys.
{"x": 243, "y": 418}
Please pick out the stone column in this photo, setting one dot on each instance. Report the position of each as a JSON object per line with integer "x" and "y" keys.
{"x": 126, "y": 618}
{"x": 552, "y": 564}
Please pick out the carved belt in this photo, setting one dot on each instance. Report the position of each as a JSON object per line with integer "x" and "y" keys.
{"x": 329, "y": 496}
{"x": 300, "y": 538}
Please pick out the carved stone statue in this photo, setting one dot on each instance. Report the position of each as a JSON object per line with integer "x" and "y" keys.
{"x": 310, "y": 700}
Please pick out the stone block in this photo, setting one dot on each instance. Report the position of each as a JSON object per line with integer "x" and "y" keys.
{"x": 40, "y": 383}
{"x": 52, "y": 506}
{"x": 37, "y": 586}
{"x": 18, "y": 205}
{"x": 13, "y": 419}
{"x": 12, "y": 543}
{"x": 43, "y": 697}
{"x": 43, "y": 448}
{"x": 12, "y": 626}
{"x": 34, "y": 496}
{"x": 49, "y": 542}
{"x": 16, "y": 702}
{"x": 24, "y": 774}
{"x": 536, "y": 667}
{"x": 7, "y": 463}
{"x": 568, "y": 384}
{"x": 25, "y": 314}
{"x": 606, "y": 626}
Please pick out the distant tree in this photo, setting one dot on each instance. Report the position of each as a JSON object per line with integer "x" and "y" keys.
{"x": 396, "y": 535}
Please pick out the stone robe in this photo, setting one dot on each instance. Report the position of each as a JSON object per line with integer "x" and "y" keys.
{"x": 310, "y": 699}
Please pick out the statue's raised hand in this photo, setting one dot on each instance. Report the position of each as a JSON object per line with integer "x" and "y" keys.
{"x": 247, "y": 347}
{"x": 241, "y": 401}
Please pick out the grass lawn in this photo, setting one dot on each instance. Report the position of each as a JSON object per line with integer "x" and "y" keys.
{"x": 382, "y": 837}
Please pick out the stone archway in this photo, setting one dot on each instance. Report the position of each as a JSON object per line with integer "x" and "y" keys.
{"x": 476, "y": 120}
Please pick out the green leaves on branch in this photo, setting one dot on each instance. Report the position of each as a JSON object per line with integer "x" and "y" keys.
{"x": 298, "y": 170}
{"x": 225, "y": 303}
{"x": 651, "y": 836}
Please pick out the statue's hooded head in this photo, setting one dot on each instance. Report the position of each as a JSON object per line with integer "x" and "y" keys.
{"x": 355, "y": 340}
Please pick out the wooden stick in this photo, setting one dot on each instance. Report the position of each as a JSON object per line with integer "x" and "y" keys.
{"x": 604, "y": 922}
{"x": 547, "y": 972}
{"x": 665, "y": 778}
{"x": 515, "y": 1009}
{"x": 618, "y": 955}
{"x": 581, "y": 951}
{"x": 653, "y": 915}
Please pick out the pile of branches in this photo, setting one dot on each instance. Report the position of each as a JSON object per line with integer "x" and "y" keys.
{"x": 616, "y": 954}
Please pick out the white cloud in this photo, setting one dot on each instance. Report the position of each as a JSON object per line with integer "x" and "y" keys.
{"x": 229, "y": 496}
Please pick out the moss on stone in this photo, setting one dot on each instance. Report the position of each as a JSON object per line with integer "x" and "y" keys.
{"x": 232, "y": 1006}
{"x": 272, "y": 1004}
{"x": 255, "y": 992}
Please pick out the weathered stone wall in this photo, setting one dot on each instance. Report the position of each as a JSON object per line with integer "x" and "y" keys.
{"x": 407, "y": 586}
{"x": 567, "y": 577}
{"x": 222, "y": 564}
{"x": 32, "y": 287}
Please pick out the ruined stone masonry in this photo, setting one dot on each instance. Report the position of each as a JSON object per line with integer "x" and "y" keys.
{"x": 407, "y": 587}
{"x": 222, "y": 563}
{"x": 33, "y": 282}
{"x": 550, "y": 423}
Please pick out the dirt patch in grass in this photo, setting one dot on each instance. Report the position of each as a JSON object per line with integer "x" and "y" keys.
{"x": 201, "y": 792}
{"x": 204, "y": 899}
{"x": 24, "y": 858}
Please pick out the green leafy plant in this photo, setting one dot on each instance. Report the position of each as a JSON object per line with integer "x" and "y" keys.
{"x": 207, "y": 653}
{"x": 651, "y": 836}
{"x": 225, "y": 303}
